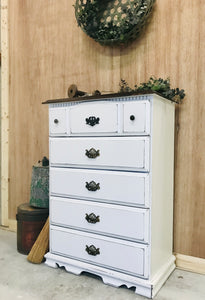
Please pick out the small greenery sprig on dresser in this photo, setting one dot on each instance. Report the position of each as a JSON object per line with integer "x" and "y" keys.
{"x": 159, "y": 86}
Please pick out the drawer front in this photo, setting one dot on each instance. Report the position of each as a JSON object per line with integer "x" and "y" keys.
{"x": 129, "y": 188}
{"x": 57, "y": 121}
{"x": 123, "y": 256}
{"x": 136, "y": 117}
{"x": 120, "y": 153}
{"x": 113, "y": 220}
{"x": 93, "y": 118}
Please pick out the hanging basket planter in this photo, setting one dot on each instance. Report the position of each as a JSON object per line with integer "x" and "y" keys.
{"x": 112, "y": 22}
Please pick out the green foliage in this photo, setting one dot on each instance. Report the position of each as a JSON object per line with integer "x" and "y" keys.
{"x": 159, "y": 86}
{"x": 124, "y": 88}
{"x": 90, "y": 17}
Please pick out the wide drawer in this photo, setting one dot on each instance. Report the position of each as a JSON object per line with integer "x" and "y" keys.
{"x": 113, "y": 220}
{"x": 120, "y": 153}
{"x": 119, "y": 255}
{"x": 127, "y": 188}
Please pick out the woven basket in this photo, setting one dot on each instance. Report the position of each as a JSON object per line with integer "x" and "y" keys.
{"x": 112, "y": 22}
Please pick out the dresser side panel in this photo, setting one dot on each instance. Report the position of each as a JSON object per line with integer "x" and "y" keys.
{"x": 162, "y": 172}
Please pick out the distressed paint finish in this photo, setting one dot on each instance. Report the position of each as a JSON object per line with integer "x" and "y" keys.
{"x": 48, "y": 52}
{"x": 150, "y": 262}
{"x": 39, "y": 194}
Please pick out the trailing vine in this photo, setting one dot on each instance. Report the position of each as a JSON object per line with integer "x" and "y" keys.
{"x": 159, "y": 86}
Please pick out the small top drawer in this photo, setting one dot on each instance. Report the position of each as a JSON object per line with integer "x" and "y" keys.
{"x": 88, "y": 118}
{"x": 136, "y": 117}
{"x": 57, "y": 121}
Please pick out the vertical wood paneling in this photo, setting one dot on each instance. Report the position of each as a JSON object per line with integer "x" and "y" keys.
{"x": 4, "y": 114}
{"x": 190, "y": 158}
{"x": 48, "y": 52}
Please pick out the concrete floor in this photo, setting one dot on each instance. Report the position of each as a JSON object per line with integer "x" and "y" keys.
{"x": 20, "y": 279}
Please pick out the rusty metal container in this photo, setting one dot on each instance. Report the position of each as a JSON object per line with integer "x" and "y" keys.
{"x": 39, "y": 194}
{"x": 30, "y": 221}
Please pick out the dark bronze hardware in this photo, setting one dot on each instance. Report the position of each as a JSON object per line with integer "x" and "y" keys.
{"x": 92, "y": 186}
{"x": 92, "y": 153}
{"x": 92, "y": 250}
{"x": 92, "y": 121}
{"x": 132, "y": 118}
{"x": 56, "y": 121}
{"x": 92, "y": 218}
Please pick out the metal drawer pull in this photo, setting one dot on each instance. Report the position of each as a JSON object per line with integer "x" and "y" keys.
{"x": 92, "y": 218}
{"x": 92, "y": 121}
{"x": 56, "y": 121}
{"x": 92, "y": 153}
{"x": 92, "y": 186}
{"x": 92, "y": 250}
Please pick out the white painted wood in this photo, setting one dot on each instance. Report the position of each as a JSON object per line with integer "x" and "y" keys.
{"x": 128, "y": 188}
{"x": 57, "y": 121}
{"x": 162, "y": 182}
{"x": 4, "y": 218}
{"x": 114, "y": 117}
{"x": 127, "y": 223}
{"x": 162, "y": 275}
{"x": 135, "y": 200}
{"x": 128, "y": 153}
{"x": 106, "y": 112}
{"x": 140, "y": 111}
{"x": 144, "y": 287}
{"x": 124, "y": 256}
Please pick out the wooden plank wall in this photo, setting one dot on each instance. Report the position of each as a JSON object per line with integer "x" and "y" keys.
{"x": 48, "y": 52}
{"x": 4, "y": 113}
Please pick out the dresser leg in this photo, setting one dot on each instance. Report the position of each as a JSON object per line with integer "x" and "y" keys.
{"x": 50, "y": 262}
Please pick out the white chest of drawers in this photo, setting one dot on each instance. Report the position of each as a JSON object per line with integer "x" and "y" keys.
{"x": 111, "y": 189}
